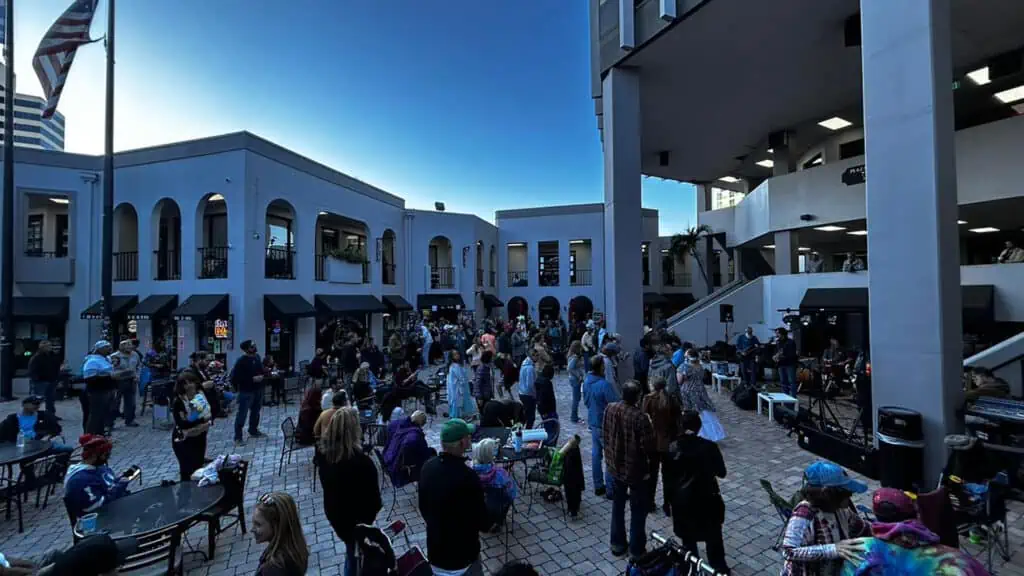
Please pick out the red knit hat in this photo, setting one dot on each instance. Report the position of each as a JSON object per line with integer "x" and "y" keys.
{"x": 94, "y": 445}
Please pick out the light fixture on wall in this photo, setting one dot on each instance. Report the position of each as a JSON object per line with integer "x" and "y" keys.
{"x": 60, "y": 201}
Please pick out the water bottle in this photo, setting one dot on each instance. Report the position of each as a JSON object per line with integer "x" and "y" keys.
{"x": 21, "y": 440}
{"x": 517, "y": 442}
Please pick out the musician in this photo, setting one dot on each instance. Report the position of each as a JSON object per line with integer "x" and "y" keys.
{"x": 786, "y": 359}
{"x": 747, "y": 346}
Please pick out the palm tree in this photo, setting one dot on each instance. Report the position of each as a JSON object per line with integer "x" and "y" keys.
{"x": 688, "y": 243}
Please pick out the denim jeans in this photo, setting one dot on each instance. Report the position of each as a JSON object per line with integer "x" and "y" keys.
{"x": 529, "y": 410}
{"x": 597, "y": 456}
{"x": 48, "y": 390}
{"x": 576, "y": 396}
{"x": 787, "y": 377}
{"x": 128, "y": 390}
{"x": 639, "y": 505}
{"x": 249, "y": 403}
{"x": 748, "y": 371}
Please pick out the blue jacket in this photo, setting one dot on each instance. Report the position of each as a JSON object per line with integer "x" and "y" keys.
{"x": 527, "y": 379}
{"x": 87, "y": 488}
{"x": 597, "y": 395}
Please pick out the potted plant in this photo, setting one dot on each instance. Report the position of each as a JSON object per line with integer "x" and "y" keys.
{"x": 345, "y": 266}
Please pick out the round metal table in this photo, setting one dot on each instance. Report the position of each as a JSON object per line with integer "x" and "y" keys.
{"x": 155, "y": 508}
{"x": 10, "y": 454}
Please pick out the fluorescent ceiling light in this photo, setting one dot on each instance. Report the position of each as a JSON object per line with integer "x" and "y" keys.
{"x": 961, "y": 222}
{"x": 816, "y": 161}
{"x": 664, "y": 250}
{"x": 517, "y": 245}
{"x": 216, "y": 198}
{"x": 984, "y": 230}
{"x": 729, "y": 179}
{"x": 769, "y": 246}
{"x": 577, "y": 241}
{"x": 804, "y": 249}
{"x": 835, "y": 123}
{"x": 60, "y": 200}
{"x": 979, "y": 76}
{"x": 771, "y": 150}
{"x": 767, "y": 163}
{"x": 1011, "y": 95}
{"x": 830, "y": 228}
{"x": 858, "y": 233}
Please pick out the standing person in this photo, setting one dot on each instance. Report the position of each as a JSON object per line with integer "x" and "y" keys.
{"x": 746, "y": 347}
{"x": 99, "y": 387}
{"x": 460, "y": 401}
{"x": 665, "y": 412}
{"x": 628, "y": 443}
{"x": 696, "y": 465}
{"x": 545, "y": 387}
{"x": 662, "y": 366}
{"x": 597, "y": 395}
{"x": 519, "y": 344}
{"x": 786, "y": 358}
{"x": 609, "y": 355}
{"x": 642, "y": 362}
{"x": 528, "y": 390}
{"x": 349, "y": 480}
{"x": 426, "y": 341}
{"x": 43, "y": 373}
{"x": 695, "y": 397}
{"x": 126, "y": 363}
{"x": 451, "y": 501}
{"x": 190, "y": 426}
{"x": 275, "y": 522}
{"x": 247, "y": 378}
{"x": 577, "y": 371}
{"x": 589, "y": 342}
{"x": 483, "y": 383}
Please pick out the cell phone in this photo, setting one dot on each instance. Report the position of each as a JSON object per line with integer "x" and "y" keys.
{"x": 132, "y": 473}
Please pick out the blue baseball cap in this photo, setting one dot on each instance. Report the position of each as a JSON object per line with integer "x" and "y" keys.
{"x": 826, "y": 474}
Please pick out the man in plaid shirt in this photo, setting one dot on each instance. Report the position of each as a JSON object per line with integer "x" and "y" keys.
{"x": 628, "y": 442}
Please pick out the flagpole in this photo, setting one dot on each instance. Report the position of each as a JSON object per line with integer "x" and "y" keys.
{"x": 7, "y": 264}
{"x": 106, "y": 272}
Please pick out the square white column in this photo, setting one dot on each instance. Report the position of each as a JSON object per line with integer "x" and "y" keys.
{"x": 913, "y": 253}
{"x": 787, "y": 245}
{"x": 623, "y": 220}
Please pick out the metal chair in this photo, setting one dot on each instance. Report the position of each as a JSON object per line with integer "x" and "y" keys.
{"x": 783, "y": 507}
{"x": 289, "y": 445}
{"x": 156, "y": 550}
{"x": 233, "y": 479}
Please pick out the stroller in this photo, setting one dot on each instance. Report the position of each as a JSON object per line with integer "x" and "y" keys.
{"x": 669, "y": 559}
{"x": 375, "y": 555}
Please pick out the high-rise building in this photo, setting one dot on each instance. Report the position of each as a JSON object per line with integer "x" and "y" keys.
{"x": 30, "y": 129}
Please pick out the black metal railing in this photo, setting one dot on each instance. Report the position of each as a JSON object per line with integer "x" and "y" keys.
{"x": 126, "y": 266}
{"x": 387, "y": 274}
{"x": 580, "y": 277}
{"x": 494, "y": 278}
{"x": 321, "y": 268}
{"x": 480, "y": 277}
{"x": 548, "y": 278}
{"x": 518, "y": 278}
{"x": 213, "y": 262}
{"x": 166, "y": 265}
{"x": 442, "y": 277}
{"x": 32, "y": 253}
{"x": 279, "y": 263}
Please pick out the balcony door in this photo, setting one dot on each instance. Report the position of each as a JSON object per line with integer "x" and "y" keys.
{"x": 60, "y": 243}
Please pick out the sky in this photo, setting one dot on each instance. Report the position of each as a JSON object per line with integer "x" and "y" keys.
{"x": 481, "y": 105}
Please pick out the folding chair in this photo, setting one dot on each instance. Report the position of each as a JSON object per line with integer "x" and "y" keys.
{"x": 783, "y": 507}
{"x": 541, "y": 474}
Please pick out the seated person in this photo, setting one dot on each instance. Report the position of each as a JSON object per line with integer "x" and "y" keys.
{"x": 91, "y": 556}
{"x": 362, "y": 388}
{"x": 406, "y": 384}
{"x": 309, "y": 413}
{"x": 502, "y": 413}
{"x": 338, "y": 400}
{"x": 901, "y": 545}
{"x": 91, "y": 484}
{"x": 492, "y": 476}
{"x": 407, "y": 449}
{"x": 33, "y": 423}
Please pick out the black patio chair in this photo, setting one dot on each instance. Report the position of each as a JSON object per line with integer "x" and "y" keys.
{"x": 290, "y": 444}
{"x": 233, "y": 478}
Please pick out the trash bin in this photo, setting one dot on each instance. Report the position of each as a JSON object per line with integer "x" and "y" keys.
{"x": 900, "y": 436}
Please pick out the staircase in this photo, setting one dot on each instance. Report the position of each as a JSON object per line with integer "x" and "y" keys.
{"x": 704, "y": 303}
{"x": 1005, "y": 360}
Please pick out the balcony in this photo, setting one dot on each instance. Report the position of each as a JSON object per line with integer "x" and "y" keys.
{"x": 679, "y": 280}
{"x": 580, "y": 277}
{"x": 126, "y": 266}
{"x": 388, "y": 274}
{"x": 166, "y": 265}
{"x": 442, "y": 278}
{"x": 213, "y": 262}
{"x": 518, "y": 279}
{"x": 494, "y": 278}
{"x": 279, "y": 263}
{"x": 45, "y": 268}
{"x": 548, "y": 278}
{"x": 480, "y": 277}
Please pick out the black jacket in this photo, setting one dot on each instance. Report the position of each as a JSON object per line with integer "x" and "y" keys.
{"x": 452, "y": 504}
{"x": 786, "y": 349}
{"x": 351, "y": 493}
{"x": 46, "y": 426}
{"x": 694, "y": 464}
{"x": 246, "y": 368}
{"x": 545, "y": 396}
{"x": 44, "y": 367}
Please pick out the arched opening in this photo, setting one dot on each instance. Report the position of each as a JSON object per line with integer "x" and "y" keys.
{"x": 166, "y": 231}
{"x": 548, "y": 308}
{"x": 126, "y": 243}
{"x": 280, "y": 235}
{"x": 341, "y": 249}
{"x": 517, "y": 307}
{"x": 439, "y": 260}
{"x": 580, "y": 309}
{"x": 212, "y": 237}
{"x": 479, "y": 263}
{"x": 494, "y": 266}
{"x": 388, "y": 271}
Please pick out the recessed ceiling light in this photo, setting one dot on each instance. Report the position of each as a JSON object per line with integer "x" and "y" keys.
{"x": 664, "y": 250}
{"x": 816, "y": 161}
{"x": 577, "y": 241}
{"x": 517, "y": 245}
{"x": 767, "y": 163}
{"x": 979, "y": 76}
{"x": 984, "y": 230}
{"x": 60, "y": 200}
{"x": 830, "y": 228}
{"x": 858, "y": 233}
{"x": 835, "y": 123}
{"x": 1011, "y": 95}
{"x": 729, "y": 179}
{"x": 769, "y": 246}
{"x": 961, "y": 222}
{"x": 804, "y": 249}
{"x": 771, "y": 150}
{"x": 322, "y": 213}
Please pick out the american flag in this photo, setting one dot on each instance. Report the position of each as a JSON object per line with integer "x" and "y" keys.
{"x": 56, "y": 51}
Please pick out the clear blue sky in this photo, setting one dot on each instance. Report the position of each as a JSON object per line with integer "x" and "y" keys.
{"x": 483, "y": 105}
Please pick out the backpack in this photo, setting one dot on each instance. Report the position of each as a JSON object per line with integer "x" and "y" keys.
{"x": 745, "y": 397}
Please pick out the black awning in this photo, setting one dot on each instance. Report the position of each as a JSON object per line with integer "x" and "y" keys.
{"x": 118, "y": 305}
{"x": 654, "y": 299}
{"x": 285, "y": 306}
{"x": 153, "y": 305}
{"x": 202, "y": 306}
{"x": 43, "y": 309}
{"x": 978, "y": 304}
{"x": 492, "y": 301}
{"x": 342, "y": 304}
{"x": 396, "y": 303}
{"x": 833, "y": 299}
{"x": 441, "y": 301}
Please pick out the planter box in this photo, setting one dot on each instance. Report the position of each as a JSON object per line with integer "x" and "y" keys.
{"x": 344, "y": 272}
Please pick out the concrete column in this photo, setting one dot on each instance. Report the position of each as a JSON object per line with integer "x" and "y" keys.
{"x": 623, "y": 222}
{"x": 723, "y": 265}
{"x": 787, "y": 244}
{"x": 912, "y": 211}
{"x": 783, "y": 161}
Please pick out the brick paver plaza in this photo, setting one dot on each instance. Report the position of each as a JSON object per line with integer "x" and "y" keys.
{"x": 755, "y": 449}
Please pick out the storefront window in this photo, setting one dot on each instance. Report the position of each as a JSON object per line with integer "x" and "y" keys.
{"x": 28, "y": 335}
{"x": 217, "y": 336}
